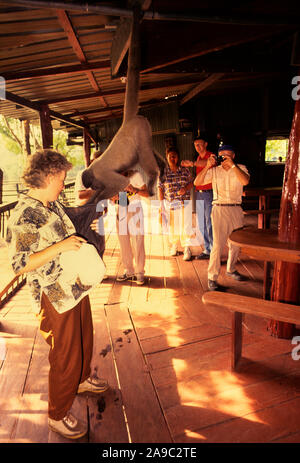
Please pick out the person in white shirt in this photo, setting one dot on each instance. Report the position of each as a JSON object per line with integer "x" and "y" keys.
{"x": 130, "y": 228}
{"x": 228, "y": 180}
{"x": 82, "y": 196}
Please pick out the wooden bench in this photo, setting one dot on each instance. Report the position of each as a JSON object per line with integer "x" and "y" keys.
{"x": 239, "y": 305}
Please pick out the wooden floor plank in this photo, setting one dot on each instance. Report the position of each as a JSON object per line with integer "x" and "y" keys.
{"x": 33, "y": 420}
{"x": 145, "y": 419}
{"x": 106, "y": 416}
{"x": 166, "y": 357}
{"x": 12, "y": 382}
{"x": 263, "y": 426}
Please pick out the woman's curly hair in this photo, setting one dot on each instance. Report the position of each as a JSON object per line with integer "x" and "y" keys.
{"x": 43, "y": 163}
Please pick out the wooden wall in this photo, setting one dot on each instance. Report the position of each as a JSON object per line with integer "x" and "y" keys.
{"x": 245, "y": 118}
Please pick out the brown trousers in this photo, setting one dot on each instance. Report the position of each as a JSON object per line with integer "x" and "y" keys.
{"x": 70, "y": 337}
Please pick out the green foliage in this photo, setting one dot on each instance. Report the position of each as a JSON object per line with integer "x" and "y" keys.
{"x": 7, "y": 138}
{"x": 276, "y": 149}
{"x": 12, "y": 158}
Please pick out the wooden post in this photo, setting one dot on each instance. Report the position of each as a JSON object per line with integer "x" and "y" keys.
{"x": 86, "y": 148}
{"x": 26, "y": 134}
{"x": 286, "y": 279}
{"x": 46, "y": 127}
{"x": 133, "y": 73}
{"x": 1, "y": 185}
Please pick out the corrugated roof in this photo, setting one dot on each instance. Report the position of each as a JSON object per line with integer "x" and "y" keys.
{"x": 177, "y": 53}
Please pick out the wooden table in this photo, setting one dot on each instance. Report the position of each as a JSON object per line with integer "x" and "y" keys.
{"x": 264, "y": 195}
{"x": 265, "y": 245}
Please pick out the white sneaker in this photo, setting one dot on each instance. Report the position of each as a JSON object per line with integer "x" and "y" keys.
{"x": 68, "y": 427}
{"x": 187, "y": 253}
{"x": 95, "y": 385}
{"x": 173, "y": 251}
{"x": 139, "y": 280}
{"x": 125, "y": 276}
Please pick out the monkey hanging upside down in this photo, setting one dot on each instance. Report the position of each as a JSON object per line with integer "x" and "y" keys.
{"x": 132, "y": 144}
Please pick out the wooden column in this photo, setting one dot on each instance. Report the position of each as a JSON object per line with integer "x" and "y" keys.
{"x": 46, "y": 127}
{"x": 286, "y": 279}
{"x": 86, "y": 148}
{"x": 26, "y": 135}
{"x": 1, "y": 185}
{"x": 133, "y": 73}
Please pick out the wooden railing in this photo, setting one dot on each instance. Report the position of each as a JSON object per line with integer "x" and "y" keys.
{"x": 67, "y": 198}
{"x": 11, "y": 288}
{"x": 4, "y": 216}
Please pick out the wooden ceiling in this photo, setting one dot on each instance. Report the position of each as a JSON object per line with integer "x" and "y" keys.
{"x": 60, "y": 53}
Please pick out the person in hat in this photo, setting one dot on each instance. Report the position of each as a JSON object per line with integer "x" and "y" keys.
{"x": 228, "y": 180}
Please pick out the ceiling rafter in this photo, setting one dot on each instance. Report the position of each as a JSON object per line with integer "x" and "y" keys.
{"x": 39, "y": 107}
{"x": 183, "y": 81}
{"x": 202, "y": 86}
{"x": 59, "y": 70}
{"x": 153, "y": 15}
{"x": 66, "y": 23}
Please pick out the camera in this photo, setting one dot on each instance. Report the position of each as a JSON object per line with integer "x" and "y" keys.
{"x": 220, "y": 159}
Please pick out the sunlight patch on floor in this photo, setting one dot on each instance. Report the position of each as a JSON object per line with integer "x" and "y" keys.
{"x": 221, "y": 391}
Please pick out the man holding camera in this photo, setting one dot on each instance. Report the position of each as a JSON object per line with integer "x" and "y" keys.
{"x": 228, "y": 180}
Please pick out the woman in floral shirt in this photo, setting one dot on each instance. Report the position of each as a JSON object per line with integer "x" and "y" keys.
{"x": 38, "y": 232}
{"x": 174, "y": 192}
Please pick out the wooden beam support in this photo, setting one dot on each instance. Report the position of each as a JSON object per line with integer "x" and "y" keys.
{"x": 46, "y": 127}
{"x": 68, "y": 28}
{"x": 57, "y": 71}
{"x": 39, "y": 106}
{"x": 120, "y": 45}
{"x": 1, "y": 185}
{"x": 86, "y": 148}
{"x": 96, "y": 7}
{"x": 26, "y": 135}
{"x": 162, "y": 84}
{"x": 35, "y": 106}
{"x": 66, "y": 119}
{"x": 202, "y": 86}
{"x": 122, "y": 37}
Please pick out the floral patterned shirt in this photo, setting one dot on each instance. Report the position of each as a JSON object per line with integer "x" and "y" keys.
{"x": 33, "y": 227}
{"x": 171, "y": 182}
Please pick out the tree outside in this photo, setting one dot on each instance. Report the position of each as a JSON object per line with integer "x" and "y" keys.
{"x": 11, "y": 138}
{"x": 276, "y": 150}
{"x": 13, "y": 154}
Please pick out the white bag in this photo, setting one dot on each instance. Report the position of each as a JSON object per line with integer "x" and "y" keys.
{"x": 84, "y": 263}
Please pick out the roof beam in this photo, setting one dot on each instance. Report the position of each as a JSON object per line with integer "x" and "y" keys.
{"x": 159, "y": 85}
{"x": 39, "y": 106}
{"x": 121, "y": 40}
{"x": 97, "y": 8}
{"x": 34, "y": 105}
{"x": 120, "y": 45}
{"x": 202, "y": 86}
{"x": 65, "y": 22}
{"x": 59, "y": 70}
